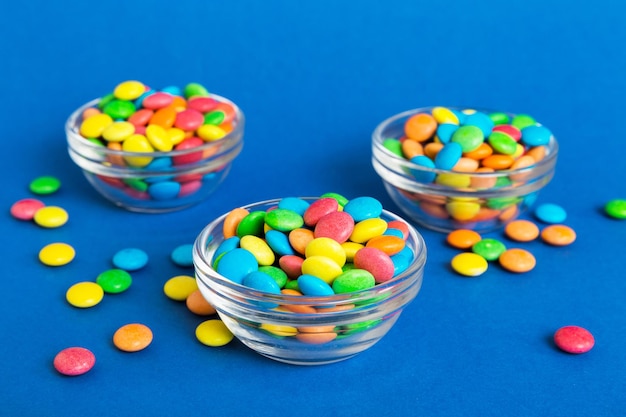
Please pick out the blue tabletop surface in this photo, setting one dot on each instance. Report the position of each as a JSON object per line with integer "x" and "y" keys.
{"x": 314, "y": 79}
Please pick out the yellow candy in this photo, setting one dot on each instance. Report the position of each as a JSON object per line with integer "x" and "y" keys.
{"x": 469, "y": 264}
{"x": 259, "y": 248}
{"x": 279, "y": 330}
{"x": 445, "y": 115}
{"x": 51, "y": 216}
{"x": 118, "y": 131}
{"x": 180, "y": 287}
{"x": 367, "y": 229}
{"x": 454, "y": 180}
{"x": 210, "y": 132}
{"x": 350, "y": 248}
{"x": 322, "y": 267}
{"x": 176, "y": 135}
{"x": 95, "y": 125}
{"x": 56, "y": 254}
{"x": 463, "y": 210}
{"x": 84, "y": 294}
{"x": 158, "y": 137}
{"x": 137, "y": 143}
{"x": 213, "y": 333}
{"x": 519, "y": 151}
{"x": 325, "y": 246}
{"x": 129, "y": 90}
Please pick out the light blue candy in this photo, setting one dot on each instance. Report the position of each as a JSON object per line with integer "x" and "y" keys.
{"x": 279, "y": 243}
{"x": 448, "y": 156}
{"x": 481, "y": 121}
{"x": 183, "y": 255}
{"x": 130, "y": 259}
{"x": 173, "y": 90}
{"x": 236, "y": 264}
{"x": 166, "y": 190}
{"x": 314, "y": 286}
{"x": 262, "y": 282}
{"x": 361, "y": 208}
{"x": 536, "y": 135}
{"x": 226, "y": 246}
{"x": 139, "y": 100}
{"x": 550, "y": 213}
{"x": 460, "y": 115}
{"x": 394, "y": 232}
{"x": 159, "y": 164}
{"x": 423, "y": 175}
{"x": 445, "y": 132}
{"x": 294, "y": 204}
{"x": 402, "y": 260}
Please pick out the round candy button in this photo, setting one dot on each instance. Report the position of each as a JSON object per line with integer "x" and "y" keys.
{"x": 130, "y": 259}
{"x": 26, "y": 208}
{"x": 56, "y": 254}
{"x": 616, "y": 208}
{"x": 574, "y": 339}
{"x": 213, "y": 333}
{"x": 44, "y": 185}
{"x": 114, "y": 281}
{"x": 84, "y": 294}
{"x": 51, "y": 217}
{"x": 74, "y": 361}
{"x": 132, "y": 337}
{"x": 183, "y": 255}
{"x": 180, "y": 287}
{"x": 469, "y": 264}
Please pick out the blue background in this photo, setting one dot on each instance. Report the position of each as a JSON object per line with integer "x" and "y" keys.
{"x": 314, "y": 79}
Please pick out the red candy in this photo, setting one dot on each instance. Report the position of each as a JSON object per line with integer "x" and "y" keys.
{"x": 189, "y": 119}
{"x": 26, "y": 208}
{"x": 377, "y": 262}
{"x": 74, "y": 361}
{"x": 318, "y": 209}
{"x": 337, "y": 225}
{"x": 202, "y": 104}
{"x": 157, "y": 101}
{"x": 189, "y": 143}
{"x": 574, "y": 339}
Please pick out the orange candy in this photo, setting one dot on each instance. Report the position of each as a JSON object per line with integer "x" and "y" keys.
{"x": 386, "y": 243}
{"x": 420, "y": 127}
{"x": 232, "y": 221}
{"x": 558, "y": 235}
{"x": 197, "y": 304}
{"x": 482, "y": 152}
{"x": 300, "y": 238}
{"x": 498, "y": 161}
{"x": 132, "y": 337}
{"x": 164, "y": 117}
{"x": 411, "y": 148}
{"x": 517, "y": 260}
{"x": 463, "y": 238}
{"x": 522, "y": 230}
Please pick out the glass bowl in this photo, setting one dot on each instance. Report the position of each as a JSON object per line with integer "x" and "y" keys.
{"x": 170, "y": 181}
{"x": 329, "y": 329}
{"x": 448, "y": 199}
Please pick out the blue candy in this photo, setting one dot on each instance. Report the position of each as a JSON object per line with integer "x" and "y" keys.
{"x": 423, "y": 175}
{"x": 361, "y": 208}
{"x": 445, "y": 132}
{"x": 279, "y": 242}
{"x": 481, "y": 121}
{"x": 294, "y": 204}
{"x": 550, "y": 213}
{"x": 402, "y": 260}
{"x": 183, "y": 255}
{"x": 314, "y": 286}
{"x": 236, "y": 264}
{"x": 449, "y": 155}
{"x": 536, "y": 135}
{"x": 262, "y": 282}
{"x": 166, "y": 190}
{"x": 130, "y": 259}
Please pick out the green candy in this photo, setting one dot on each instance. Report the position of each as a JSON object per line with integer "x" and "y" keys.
{"x": 114, "y": 281}
{"x": 195, "y": 90}
{"x": 136, "y": 183}
{"x": 359, "y": 327}
{"x": 499, "y": 118}
{"x": 292, "y": 285}
{"x": 616, "y": 208}
{"x": 469, "y": 137}
{"x": 522, "y": 120}
{"x": 105, "y": 100}
{"x": 394, "y": 146}
{"x": 45, "y": 185}
{"x": 215, "y": 117}
{"x": 500, "y": 203}
{"x": 276, "y": 273}
{"x": 353, "y": 280}
{"x": 119, "y": 109}
{"x": 283, "y": 220}
{"x": 502, "y": 143}
{"x": 490, "y": 249}
{"x": 252, "y": 224}
{"x": 341, "y": 200}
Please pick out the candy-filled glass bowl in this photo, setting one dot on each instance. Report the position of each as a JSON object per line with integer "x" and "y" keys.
{"x": 310, "y": 327}
{"x": 160, "y": 167}
{"x": 450, "y": 168}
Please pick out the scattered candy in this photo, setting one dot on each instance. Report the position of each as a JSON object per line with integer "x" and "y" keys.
{"x": 521, "y": 230}
{"x": 57, "y": 254}
{"x": 114, "y": 281}
{"x": 130, "y": 259}
{"x": 550, "y": 213}
{"x": 180, "y": 287}
{"x": 463, "y": 238}
{"x": 84, "y": 294}
{"x": 469, "y": 264}
{"x": 213, "y": 333}
{"x": 197, "y": 304}
{"x": 616, "y": 209}
{"x": 26, "y": 208}
{"x": 74, "y": 361}
{"x": 574, "y": 339}
{"x": 558, "y": 235}
{"x": 517, "y": 260}
{"x": 44, "y": 185}
{"x": 132, "y": 337}
{"x": 490, "y": 249}
{"x": 183, "y": 255}
{"x": 51, "y": 217}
